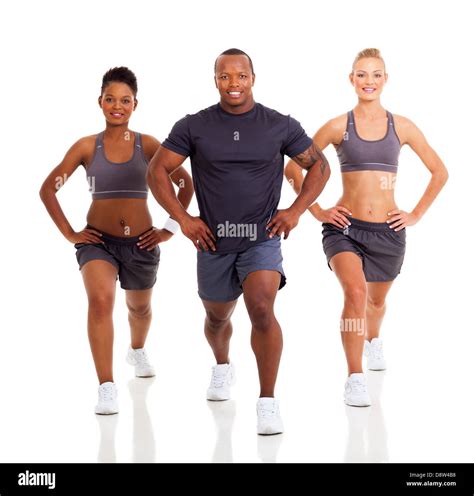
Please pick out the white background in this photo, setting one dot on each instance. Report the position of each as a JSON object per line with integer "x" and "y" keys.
{"x": 54, "y": 55}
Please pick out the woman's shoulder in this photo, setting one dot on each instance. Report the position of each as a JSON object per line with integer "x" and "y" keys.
{"x": 338, "y": 123}
{"x": 85, "y": 144}
{"x": 405, "y": 129}
{"x": 150, "y": 145}
{"x": 87, "y": 141}
{"x": 149, "y": 139}
{"x": 333, "y": 130}
{"x": 402, "y": 122}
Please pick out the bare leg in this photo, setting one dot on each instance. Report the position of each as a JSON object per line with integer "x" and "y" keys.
{"x": 377, "y": 292}
{"x": 260, "y": 289}
{"x": 218, "y": 327}
{"x": 348, "y": 269}
{"x": 99, "y": 280}
{"x": 139, "y": 315}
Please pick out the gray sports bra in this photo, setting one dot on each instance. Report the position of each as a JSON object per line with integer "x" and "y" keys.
{"x": 117, "y": 180}
{"x": 357, "y": 154}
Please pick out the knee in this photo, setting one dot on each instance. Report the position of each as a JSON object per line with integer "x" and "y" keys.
{"x": 216, "y": 321}
{"x": 139, "y": 311}
{"x": 376, "y": 302}
{"x": 101, "y": 306}
{"x": 355, "y": 295}
{"x": 261, "y": 314}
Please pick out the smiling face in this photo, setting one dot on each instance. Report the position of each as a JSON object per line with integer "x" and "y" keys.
{"x": 368, "y": 78}
{"x": 117, "y": 103}
{"x": 234, "y": 80}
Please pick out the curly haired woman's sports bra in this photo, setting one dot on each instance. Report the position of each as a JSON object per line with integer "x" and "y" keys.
{"x": 118, "y": 179}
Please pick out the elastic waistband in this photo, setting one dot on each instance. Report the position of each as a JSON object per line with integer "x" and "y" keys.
{"x": 117, "y": 239}
{"x": 369, "y": 226}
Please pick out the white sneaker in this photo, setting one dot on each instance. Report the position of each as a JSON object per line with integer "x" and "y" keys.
{"x": 223, "y": 377}
{"x": 268, "y": 417}
{"x": 108, "y": 404}
{"x": 139, "y": 358}
{"x": 374, "y": 352}
{"x": 356, "y": 393}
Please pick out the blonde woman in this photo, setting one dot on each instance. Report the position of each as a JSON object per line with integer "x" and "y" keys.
{"x": 364, "y": 233}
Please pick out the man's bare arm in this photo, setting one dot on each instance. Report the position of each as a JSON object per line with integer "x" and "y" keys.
{"x": 162, "y": 165}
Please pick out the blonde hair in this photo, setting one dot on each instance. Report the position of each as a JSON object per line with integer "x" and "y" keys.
{"x": 368, "y": 53}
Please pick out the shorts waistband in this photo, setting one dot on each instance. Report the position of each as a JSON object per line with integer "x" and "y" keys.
{"x": 117, "y": 239}
{"x": 369, "y": 226}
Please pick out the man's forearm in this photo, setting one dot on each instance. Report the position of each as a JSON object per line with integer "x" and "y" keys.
{"x": 313, "y": 184}
{"x": 162, "y": 188}
{"x": 185, "y": 194}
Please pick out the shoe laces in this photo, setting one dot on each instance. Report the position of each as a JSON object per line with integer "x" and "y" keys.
{"x": 107, "y": 392}
{"x": 268, "y": 410}
{"x": 141, "y": 357}
{"x": 219, "y": 376}
{"x": 358, "y": 386}
{"x": 376, "y": 350}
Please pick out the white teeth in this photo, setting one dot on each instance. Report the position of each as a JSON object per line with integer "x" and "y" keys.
{"x": 234, "y": 93}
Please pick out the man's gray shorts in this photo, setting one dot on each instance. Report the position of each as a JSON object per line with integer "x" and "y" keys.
{"x": 380, "y": 248}
{"x": 220, "y": 277}
{"x": 136, "y": 267}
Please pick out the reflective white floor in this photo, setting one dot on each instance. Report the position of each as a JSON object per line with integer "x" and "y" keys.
{"x": 422, "y": 405}
{"x": 167, "y": 422}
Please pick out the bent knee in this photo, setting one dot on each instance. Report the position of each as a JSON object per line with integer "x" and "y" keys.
{"x": 376, "y": 303}
{"x": 261, "y": 315}
{"x": 217, "y": 320}
{"x": 101, "y": 306}
{"x": 139, "y": 311}
{"x": 355, "y": 294}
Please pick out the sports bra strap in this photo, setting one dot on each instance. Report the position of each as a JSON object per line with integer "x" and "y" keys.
{"x": 138, "y": 140}
{"x": 350, "y": 118}
{"x": 99, "y": 140}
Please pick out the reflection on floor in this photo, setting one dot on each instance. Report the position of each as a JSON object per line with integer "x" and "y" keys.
{"x": 367, "y": 435}
{"x": 143, "y": 438}
{"x": 223, "y": 413}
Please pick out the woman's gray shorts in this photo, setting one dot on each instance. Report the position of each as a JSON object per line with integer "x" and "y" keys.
{"x": 380, "y": 248}
{"x": 136, "y": 267}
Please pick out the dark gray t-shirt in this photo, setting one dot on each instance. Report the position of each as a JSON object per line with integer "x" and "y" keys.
{"x": 237, "y": 168}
